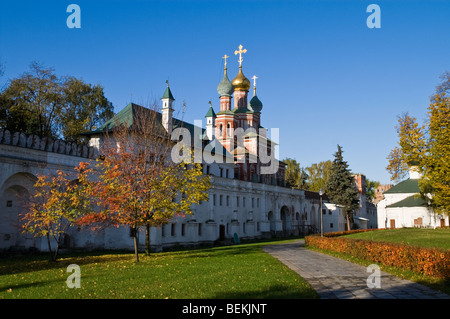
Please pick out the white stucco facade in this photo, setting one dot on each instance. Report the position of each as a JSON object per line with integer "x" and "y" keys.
{"x": 402, "y": 207}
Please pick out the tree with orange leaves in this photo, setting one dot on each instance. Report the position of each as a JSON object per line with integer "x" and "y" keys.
{"x": 56, "y": 204}
{"x": 138, "y": 184}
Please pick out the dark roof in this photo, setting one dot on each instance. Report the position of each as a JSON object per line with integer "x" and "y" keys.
{"x": 407, "y": 186}
{"x": 315, "y": 195}
{"x": 411, "y": 201}
{"x": 130, "y": 115}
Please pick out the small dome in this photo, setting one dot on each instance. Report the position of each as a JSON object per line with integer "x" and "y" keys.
{"x": 225, "y": 88}
{"x": 255, "y": 105}
{"x": 240, "y": 82}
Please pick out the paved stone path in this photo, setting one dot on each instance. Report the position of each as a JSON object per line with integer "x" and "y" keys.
{"x": 335, "y": 278}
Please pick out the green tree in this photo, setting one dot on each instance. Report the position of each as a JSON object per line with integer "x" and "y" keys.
{"x": 435, "y": 183}
{"x": 427, "y": 147}
{"x": 341, "y": 188}
{"x": 85, "y": 108}
{"x": 411, "y": 147}
{"x": 371, "y": 186}
{"x": 39, "y": 102}
{"x": 295, "y": 175}
{"x": 318, "y": 174}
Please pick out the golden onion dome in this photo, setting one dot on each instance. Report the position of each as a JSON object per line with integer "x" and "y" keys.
{"x": 240, "y": 82}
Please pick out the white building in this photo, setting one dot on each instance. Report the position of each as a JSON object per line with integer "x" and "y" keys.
{"x": 248, "y": 198}
{"x": 402, "y": 206}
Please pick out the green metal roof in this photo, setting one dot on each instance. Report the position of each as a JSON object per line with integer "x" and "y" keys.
{"x": 225, "y": 112}
{"x": 210, "y": 112}
{"x": 242, "y": 110}
{"x": 407, "y": 186}
{"x": 130, "y": 115}
{"x": 411, "y": 201}
{"x": 168, "y": 94}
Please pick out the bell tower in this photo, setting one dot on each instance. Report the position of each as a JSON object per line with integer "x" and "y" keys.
{"x": 167, "y": 109}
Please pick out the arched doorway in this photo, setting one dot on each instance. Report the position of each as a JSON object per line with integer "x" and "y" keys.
{"x": 14, "y": 195}
{"x": 285, "y": 220}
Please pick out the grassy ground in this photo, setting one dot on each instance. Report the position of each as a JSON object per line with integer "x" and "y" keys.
{"x": 434, "y": 238}
{"x": 239, "y": 271}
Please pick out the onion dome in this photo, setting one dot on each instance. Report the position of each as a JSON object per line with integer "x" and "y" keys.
{"x": 240, "y": 82}
{"x": 225, "y": 88}
{"x": 255, "y": 105}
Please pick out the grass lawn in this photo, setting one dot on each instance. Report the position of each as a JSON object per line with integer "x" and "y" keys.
{"x": 432, "y": 238}
{"x": 239, "y": 271}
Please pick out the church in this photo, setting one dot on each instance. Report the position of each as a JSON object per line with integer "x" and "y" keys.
{"x": 402, "y": 206}
{"x": 248, "y": 198}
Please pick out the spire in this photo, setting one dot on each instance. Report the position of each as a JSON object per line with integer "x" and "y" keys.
{"x": 168, "y": 94}
{"x": 254, "y": 84}
{"x": 255, "y": 104}
{"x": 225, "y": 88}
{"x": 167, "y": 110}
{"x": 210, "y": 122}
{"x": 210, "y": 112}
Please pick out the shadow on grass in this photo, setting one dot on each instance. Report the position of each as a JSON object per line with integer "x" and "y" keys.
{"x": 16, "y": 264}
{"x": 41, "y": 262}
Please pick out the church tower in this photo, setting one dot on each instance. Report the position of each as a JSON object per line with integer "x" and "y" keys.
{"x": 210, "y": 122}
{"x": 225, "y": 117}
{"x": 255, "y": 106}
{"x": 167, "y": 109}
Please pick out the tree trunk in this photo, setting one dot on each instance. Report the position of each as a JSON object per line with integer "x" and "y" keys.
{"x": 147, "y": 240}
{"x": 49, "y": 247}
{"x": 136, "y": 243}
{"x": 55, "y": 256}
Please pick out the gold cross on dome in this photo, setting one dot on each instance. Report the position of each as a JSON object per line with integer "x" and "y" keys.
{"x": 225, "y": 57}
{"x": 240, "y": 54}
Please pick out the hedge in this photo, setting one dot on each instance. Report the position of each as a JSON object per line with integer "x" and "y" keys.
{"x": 433, "y": 262}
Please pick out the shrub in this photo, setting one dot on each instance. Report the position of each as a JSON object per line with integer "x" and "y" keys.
{"x": 429, "y": 261}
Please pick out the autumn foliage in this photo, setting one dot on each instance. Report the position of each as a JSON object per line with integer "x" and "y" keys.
{"x": 428, "y": 261}
{"x": 56, "y": 204}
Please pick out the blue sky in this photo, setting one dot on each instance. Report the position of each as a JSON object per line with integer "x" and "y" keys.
{"x": 325, "y": 78}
